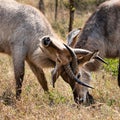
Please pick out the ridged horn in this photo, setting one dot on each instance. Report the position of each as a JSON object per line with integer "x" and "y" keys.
{"x": 70, "y": 73}
{"x": 85, "y": 52}
{"x": 74, "y": 63}
{"x": 81, "y": 51}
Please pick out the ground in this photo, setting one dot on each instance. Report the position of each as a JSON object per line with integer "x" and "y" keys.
{"x": 59, "y": 105}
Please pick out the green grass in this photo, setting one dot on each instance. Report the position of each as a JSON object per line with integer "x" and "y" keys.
{"x": 112, "y": 66}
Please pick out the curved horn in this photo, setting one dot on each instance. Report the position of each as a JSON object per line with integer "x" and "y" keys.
{"x": 97, "y": 57}
{"x": 82, "y": 52}
{"x": 72, "y": 76}
{"x": 74, "y": 63}
{"x": 69, "y": 71}
{"x": 100, "y": 59}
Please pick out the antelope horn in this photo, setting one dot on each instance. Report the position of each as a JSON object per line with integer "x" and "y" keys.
{"x": 81, "y": 52}
{"x": 100, "y": 59}
{"x": 74, "y": 63}
{"x": 72, "y": 76}
{"x": 97, "y": 57}
{"x": 85, "y": 52}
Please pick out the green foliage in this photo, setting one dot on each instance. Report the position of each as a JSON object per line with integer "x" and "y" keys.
{"x": 112, "y": 66}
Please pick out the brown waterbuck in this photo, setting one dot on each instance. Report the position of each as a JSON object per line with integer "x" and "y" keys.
{"x": 100, "y": 32}
{"x": 25, "y": 34}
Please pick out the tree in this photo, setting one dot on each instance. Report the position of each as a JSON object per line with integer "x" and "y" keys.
{"x": 72, "y": 10}
{"x": 42, "y": 6}
{"x": 56, "y": 9}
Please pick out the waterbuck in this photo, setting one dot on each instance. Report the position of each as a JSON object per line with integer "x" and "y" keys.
{"x": 100, "y": 32}
{"x": 25, "y": 34}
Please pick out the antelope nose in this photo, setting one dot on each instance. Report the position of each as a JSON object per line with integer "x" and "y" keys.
{"x": 81, "y": 100}
{"x": 46, "y": 41}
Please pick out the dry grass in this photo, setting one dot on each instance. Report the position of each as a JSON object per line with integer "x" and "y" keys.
{"x": 59, "y": 104}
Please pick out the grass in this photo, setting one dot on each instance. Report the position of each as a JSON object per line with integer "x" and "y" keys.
{"x": 59, "y": 104}
{"x": 112, "y": 66}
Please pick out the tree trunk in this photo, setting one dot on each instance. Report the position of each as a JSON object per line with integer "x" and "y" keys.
{"x": 72, "y": 10}
{"x": 42, "y": 6}
{"x": 56, "y": 9}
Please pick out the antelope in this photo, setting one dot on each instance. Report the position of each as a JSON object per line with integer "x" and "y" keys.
{"x": 100, "y": 32}
{"x": 25, "y": 34}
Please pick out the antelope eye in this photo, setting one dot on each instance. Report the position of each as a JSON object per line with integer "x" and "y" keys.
{"x": 46, "y": 41}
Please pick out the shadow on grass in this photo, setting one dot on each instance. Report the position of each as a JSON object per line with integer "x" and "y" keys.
{"x": 8, "y": 98}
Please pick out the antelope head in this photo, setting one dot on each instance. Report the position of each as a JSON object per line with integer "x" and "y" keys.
{"x": 85, "y": 57}
{"x": 66, "y": 62}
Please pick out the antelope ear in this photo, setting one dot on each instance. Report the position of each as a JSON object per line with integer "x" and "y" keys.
{"x": 56, "y": 71}
{"x": 55, "y": 74}
{"x": 72, "y": 37}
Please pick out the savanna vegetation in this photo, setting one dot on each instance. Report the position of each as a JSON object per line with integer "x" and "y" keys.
{"x": 59, "y": 105}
